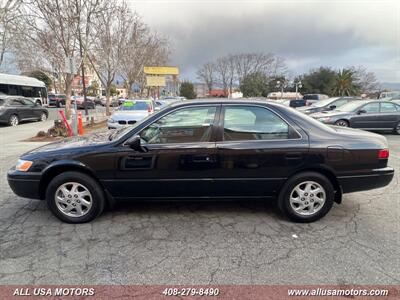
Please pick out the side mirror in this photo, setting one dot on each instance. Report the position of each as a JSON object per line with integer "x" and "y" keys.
{"x": 361, "y": 111}
{"x": 332, "y": 107}
{"x": 135, "y": 144}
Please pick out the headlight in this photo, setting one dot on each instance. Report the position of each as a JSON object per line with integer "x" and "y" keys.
{"x": 23, "y": 165}
{"x": 111, "y": 120}
{"x": 326, "y": 119}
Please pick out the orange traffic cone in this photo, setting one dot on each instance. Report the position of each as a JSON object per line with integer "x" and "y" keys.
{"x": 80, "y": 124}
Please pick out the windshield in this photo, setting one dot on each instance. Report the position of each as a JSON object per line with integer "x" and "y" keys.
{"x": 351, "y": 106}
{"x": 128, "y": 105}
{"x": 324, "y": 102}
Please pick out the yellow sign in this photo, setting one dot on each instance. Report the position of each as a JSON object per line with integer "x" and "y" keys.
{"x": 161, "y": 70}
{"x": 155, "y": 81}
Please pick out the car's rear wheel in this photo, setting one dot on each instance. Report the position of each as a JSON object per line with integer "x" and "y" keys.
{"x": 306, "y": 197}
{"x": 397, "y": 128}
{"x": 342, "y": 123}
{"x": 74, "y": 197}
{"x": 13, "y": 120}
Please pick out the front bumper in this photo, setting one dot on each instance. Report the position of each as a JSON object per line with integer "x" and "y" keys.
{"x": 115, "y": 125}
{"x": 377, "y": 178}
{"x": 24, "y": 184}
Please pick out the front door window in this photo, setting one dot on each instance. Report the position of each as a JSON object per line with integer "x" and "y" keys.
{"x": 187, "y": 125}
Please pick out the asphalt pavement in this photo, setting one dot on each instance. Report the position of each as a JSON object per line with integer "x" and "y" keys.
{"x": 198, "y": 243}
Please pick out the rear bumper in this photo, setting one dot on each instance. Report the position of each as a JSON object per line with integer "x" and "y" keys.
{"x": 24, "y": 184}
{"x": 377, "y": 178}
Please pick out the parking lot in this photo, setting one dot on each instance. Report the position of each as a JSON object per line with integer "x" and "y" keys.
{"x": 199, "y": 243}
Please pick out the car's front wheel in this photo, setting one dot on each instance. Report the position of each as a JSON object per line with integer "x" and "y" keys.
{"x": 342, "y": 123}
{"x": 74, "y": 197}
{"x": 306, "y": 197}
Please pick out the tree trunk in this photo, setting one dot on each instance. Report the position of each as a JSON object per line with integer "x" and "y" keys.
{"x": 108, "y": 94}
{"x": 68, "y": 93}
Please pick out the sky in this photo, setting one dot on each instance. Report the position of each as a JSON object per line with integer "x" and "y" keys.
{"x": 308, "y": 34}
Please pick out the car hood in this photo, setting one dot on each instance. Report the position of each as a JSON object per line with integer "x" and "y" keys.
{"x": 80, "y": 143}
{"x": 129, "y": 115}
{"x": 309, "y": 109}
{"x": 333, "y": 113}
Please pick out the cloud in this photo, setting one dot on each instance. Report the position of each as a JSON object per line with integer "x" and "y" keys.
{"x": 307, "y": 33}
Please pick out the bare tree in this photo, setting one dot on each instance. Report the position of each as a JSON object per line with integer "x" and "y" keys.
{"x": 142, "y": 48}
{"x": 222, "y": 72}
{"x": 365, "y": 80}
{"x": 111, "y": 30}
{"x": 9, "y": 13}
{"x": 207, "y": 74}
{"x": 56, "y": 29}
{"x": 266, "y": 63}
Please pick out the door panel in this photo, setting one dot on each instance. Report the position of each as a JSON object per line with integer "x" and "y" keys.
{"x": 388, "y": 116}
{"x": 258, "y": 152}
{"x": 179, "y": 159}
{"x": 367, "y": 119}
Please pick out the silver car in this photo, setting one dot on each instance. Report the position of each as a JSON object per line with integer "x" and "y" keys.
{"x": 129, "y": 113}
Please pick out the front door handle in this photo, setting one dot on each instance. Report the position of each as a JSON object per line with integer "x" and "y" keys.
{"x": 293, "y": 156}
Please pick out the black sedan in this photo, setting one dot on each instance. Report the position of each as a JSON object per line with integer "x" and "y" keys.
{"x": 15, "y": 109}
{"x": 368, "y": 115}
{"x": 207, "y": 149}
{"x": 327, "y": 104}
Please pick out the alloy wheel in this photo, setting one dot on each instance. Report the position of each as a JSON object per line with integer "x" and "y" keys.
{"x": 342, "y": 123}
{"x": 307, "y": 198}
{"x": 13, "y": 120}
{"x": 43, "y": 117}
{"x": 73, "y": 199}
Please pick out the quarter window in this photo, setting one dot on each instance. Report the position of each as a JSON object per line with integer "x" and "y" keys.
{"x": 187, "y": 125}
{"x": 254, "y": 123}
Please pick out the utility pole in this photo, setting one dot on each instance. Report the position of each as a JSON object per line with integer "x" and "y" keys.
{"x": 82, "y": 65}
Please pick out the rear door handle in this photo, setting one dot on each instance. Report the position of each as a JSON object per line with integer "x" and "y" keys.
{"x": 293, "y": 156}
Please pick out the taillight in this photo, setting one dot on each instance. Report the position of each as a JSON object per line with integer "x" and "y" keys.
{"x": 149, "y": 110}
{"x": 383, "y": 154}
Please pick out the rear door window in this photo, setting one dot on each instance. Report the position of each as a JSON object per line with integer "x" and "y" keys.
{"x": 388, "y": 108}
{"x": 254, "y": 123}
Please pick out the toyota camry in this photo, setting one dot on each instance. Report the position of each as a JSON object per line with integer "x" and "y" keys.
{"x": 219, "y": 149}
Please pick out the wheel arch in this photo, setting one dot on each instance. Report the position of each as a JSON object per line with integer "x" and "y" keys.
{"x": 327, "y": 172}
{"x": 67, "y": 166}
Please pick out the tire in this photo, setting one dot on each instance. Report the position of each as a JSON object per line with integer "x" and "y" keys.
{"x": 95, "y": 197}
{"x": 43, "y": 117}
{"x": 13, "y": 120}
{"x": 342, "y": 123}
{"x": 298, "y": 183}
{"x": 58, "y": 104}
{"x": 396, "y": 130}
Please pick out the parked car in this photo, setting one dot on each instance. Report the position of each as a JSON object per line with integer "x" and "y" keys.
{"x": 292, "y": 102}
{"x": 327, "y": 104}
{"x": 313, "y": 98}
{"x": 159, "y": 104}
{"x": 130, "y": 112}
{"x": 15, "y": 109}
{"x": 113, "y": 102}
{"x": 364, "y": 114}
{"x": 80, "y": 103}
{"x": 207, "y": 149}
{"x": 389, "y": 95}
{"x": 57, "y": 100}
